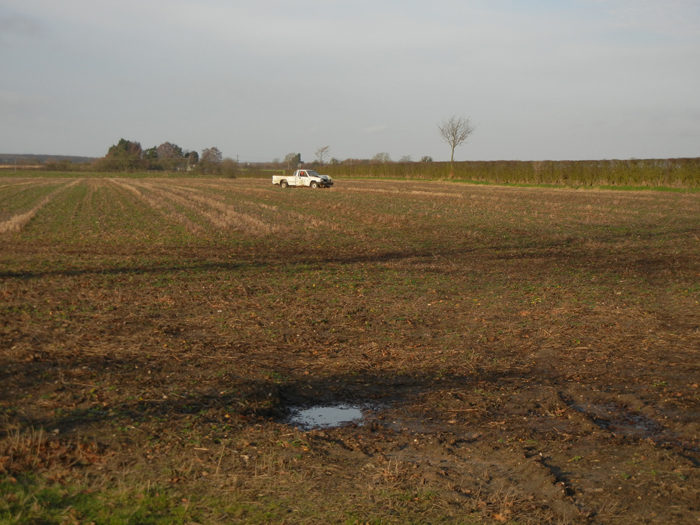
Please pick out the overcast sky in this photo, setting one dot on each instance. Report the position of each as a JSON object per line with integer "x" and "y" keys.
{"x": 541, "y": 79}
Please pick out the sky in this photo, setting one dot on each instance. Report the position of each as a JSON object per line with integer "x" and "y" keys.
{"x": 540, "y": 79}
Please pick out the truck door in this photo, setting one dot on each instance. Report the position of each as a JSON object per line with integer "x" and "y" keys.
{"x": 303, "y": 178}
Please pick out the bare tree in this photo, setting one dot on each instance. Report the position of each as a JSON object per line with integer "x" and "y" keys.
{"x": 292, "y": 160}
{"x": 168, "y": 150}
{"x": 454, "y": 131}
{"x": 210, "y": 161}
{"x": 406, "y": 158}
{"x": 212, "y": 156}
{"x": 322, "y": 152}
{"x": 382, "y": 157}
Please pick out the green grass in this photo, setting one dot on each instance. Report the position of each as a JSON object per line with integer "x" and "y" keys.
{"x": 19, "y": 198}
{"x": 32, "y": 500}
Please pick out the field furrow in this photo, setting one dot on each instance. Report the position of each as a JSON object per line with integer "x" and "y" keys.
{"x": 217, "y": 212}
{"x": 162, "y": 205}
{"x": 20, "y": 219}
{"x": 19, "y": 198}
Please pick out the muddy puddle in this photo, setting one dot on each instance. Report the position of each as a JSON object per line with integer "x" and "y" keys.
{"x": 325, "y": 416}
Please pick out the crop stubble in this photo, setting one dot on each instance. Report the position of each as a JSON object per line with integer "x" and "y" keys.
{"x": 528, "y": 355}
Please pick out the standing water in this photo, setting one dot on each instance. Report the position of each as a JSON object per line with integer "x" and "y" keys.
{"x": 325, "y": 416}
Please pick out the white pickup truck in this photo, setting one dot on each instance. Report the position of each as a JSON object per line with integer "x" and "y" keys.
{"x": 303, "y": 178}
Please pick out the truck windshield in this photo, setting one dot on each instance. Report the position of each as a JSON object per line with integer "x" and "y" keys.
{"x": 313, "y": 173}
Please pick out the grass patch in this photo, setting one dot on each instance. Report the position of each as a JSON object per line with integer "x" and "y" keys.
{"x": 31, "y": 500}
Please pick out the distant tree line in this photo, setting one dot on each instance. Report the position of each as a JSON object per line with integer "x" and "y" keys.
{"x": 293, "y": 161}
{"x": 32, "y": 159}
{"x": 684, "y": 173}
{"x": 681, "y": 172}
{"x": 128, "y": 155}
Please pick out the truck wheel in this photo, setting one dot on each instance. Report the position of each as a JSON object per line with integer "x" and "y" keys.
{"x": 284, "y": 184}
{"x": 314, "y": 185}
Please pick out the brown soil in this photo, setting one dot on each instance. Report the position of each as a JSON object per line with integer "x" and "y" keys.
{"x": 522, "y": 355}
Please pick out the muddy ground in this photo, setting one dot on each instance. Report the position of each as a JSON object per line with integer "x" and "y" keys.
{"x": 521, "y": 356}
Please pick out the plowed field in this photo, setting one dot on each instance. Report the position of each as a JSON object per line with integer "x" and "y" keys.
{"x": 521, "y": 355}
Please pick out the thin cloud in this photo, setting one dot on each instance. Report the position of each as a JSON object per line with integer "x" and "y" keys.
{"x": 670, "y": 17}
{"x": 373, "y": 130}
{"x": 21, "y": 26}
{"x": 13, "y": 103}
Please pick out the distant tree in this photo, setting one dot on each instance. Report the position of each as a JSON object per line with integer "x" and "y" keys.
{"x": 335, "y": 162}
{"x": 382, "y": 157}
{"x": 322, "y": 152}
{"x": 229, "y": 168}
{"x": 210, "y": 161}
{"x": 125, "y": 155}
{"x": 125, "y": 149}
{"x": 276, "y": 160}
{"x": 427, "y": 158}
{"x": 151, "y": 153}
{"x": 192, "y": 157}
{"x": 212, "y": 156}
{"x": 60, "y": 165}
{"x": 292, "y": 160}
{"x": 150, "y": 157}
{"x": 167, "y": 150}
{"x": 454, "y": 131}
{"x": 406, "y": 158}
{"x": 352, "y": 162}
